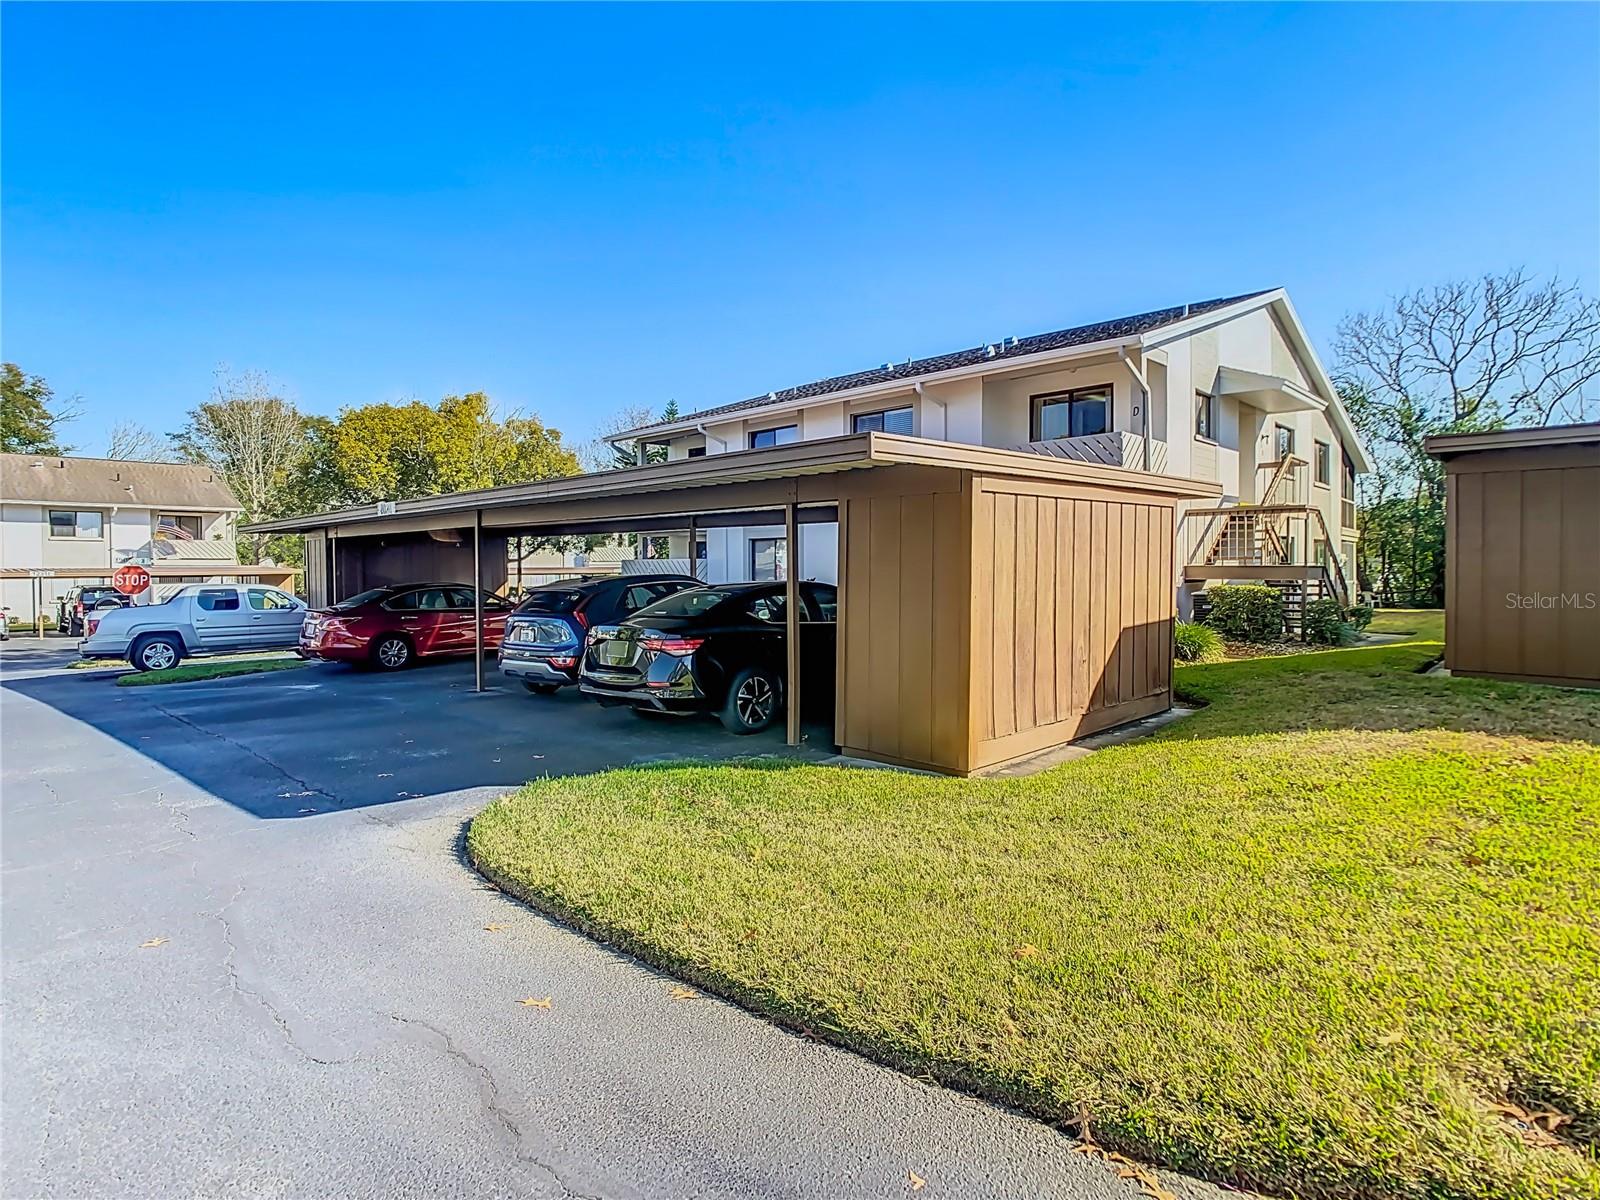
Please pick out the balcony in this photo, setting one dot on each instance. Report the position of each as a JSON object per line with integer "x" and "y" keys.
{"x": 1117, "y": 448}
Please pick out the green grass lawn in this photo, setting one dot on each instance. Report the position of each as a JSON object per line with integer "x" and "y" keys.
{"x": 1301, "y": 941}
{"x": 190, "y": 672}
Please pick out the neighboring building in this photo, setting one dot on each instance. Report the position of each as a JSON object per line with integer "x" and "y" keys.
{"x": 67, "y": 521}
{"x": 1229, "y": 391}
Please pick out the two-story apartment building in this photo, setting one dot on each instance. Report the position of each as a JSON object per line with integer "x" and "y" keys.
{"x": 67, "y": 521}
{"x": 1228, "y": 390}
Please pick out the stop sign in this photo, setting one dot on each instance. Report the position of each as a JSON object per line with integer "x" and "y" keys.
{"x": 130, "y": 580}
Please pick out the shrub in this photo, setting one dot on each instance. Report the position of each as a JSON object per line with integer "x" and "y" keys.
{"x": 1325, "y": 624}
{"x": 1360, "y": 615}
{"x": 1247, "y": 612}
{"x": 1195, "y": 643}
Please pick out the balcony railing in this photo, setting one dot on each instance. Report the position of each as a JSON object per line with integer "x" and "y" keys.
{"x": 1117, "y": 448}
{"x": 1258, "y": 539}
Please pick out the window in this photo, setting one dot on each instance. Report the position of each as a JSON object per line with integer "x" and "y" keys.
{"x": 697, "y": 451}
{"x": 218, "y": 599}
{"x": 768, "y": 608}
{"x": 1283, "y": 441}
{"x": 268, "y": 601}
{"x": 822, "y": 599}
{"x": 1077, "y": 413}
{"x": 893, "y": 420}
{"x": 762, "y": 439}
{"x": 76, "y": 524}
{"x": 181, "y": 528}
{"x": 405, "y": 602}
{"x": 768, "y": 558}
{"x": 1205, "y": 416}
{"x": 1322, "y": 463}
{"x": 641, "y": 595}
{"x": 690, "y": 602}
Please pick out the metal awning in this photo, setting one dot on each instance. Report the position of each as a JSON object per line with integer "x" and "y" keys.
{"x": 1269, "y": 393}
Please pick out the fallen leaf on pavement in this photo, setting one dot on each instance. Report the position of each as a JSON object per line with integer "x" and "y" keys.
{"x": 916, "y": 1181}
{"x": 493, "y": 927}
{"x": 153, "y": 943}
{"x": 682, "y": 993}
{"x": 532, "y": 1002}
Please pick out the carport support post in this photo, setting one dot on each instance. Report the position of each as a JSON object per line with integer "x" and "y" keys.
{"x": 791, "y": 616}
{"x": 477, "y": 600}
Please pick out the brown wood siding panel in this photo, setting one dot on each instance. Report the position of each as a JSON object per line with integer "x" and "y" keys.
{"x": 1464, "y": 629}
{"x": 1540, "y": 572}
{"x": 915, "y": 625}
{"x": 1502, "y": 568}
{"x": 1064, "y": 576}
{"x": 1082, "y": 606}
{"x": 1097, "y": 605}
{"x": 982, "y": 616}
{"x": 1168, "y": 598}
{"x": 1003, "y": 696}
{"x": 1047, "y": 638}
{"x": 1580, "y": 574}
{"x": 953, "y": 586}
{"x": 1026, "y": 622}
{"x": 883, "y": 685}
{"x": 1116, "y": 603}
{"x": 855, "y": 612}
{"x": 1523, "y": 567}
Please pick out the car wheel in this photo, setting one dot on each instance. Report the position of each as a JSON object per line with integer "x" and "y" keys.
{"x": 391, "y": 652}
{"x": 755, "y": 697}
{"x": 541, "y": 689}
{"x": 160, "y": 653}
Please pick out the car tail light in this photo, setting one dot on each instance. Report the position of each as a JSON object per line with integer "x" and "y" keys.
{"x": 583, "y": 621}
{"x": 78, "y": 607}
{"x": 336, "y": 624}
{"x": 563, "y": 661}
{"x": 678, "y": 646}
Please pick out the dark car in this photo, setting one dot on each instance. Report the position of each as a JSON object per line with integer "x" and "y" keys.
{"x": 715, "y": 649}
{"x": 544, "y": 635}
{"x": 392, "y": 627}
{"x": 78, "y": 602}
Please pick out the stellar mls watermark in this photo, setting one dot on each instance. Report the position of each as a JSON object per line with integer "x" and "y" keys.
{"x": 1553, "y": 600}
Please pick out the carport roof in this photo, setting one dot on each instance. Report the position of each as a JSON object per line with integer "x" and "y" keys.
{"x": 637, "y": 489}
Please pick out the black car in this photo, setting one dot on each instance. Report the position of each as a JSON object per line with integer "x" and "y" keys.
{"x": 715, "y": 649}
{"x": 85, "y": 599}
{"x": 544, "y": 635}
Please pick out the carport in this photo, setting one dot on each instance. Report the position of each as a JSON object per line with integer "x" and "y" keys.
{"x": 992, "y": 603}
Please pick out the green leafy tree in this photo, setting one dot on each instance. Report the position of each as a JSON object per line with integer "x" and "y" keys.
{"x": 404, "y": 451}
{"x": 29, "y": 415}
{"x": 256, "y": 441}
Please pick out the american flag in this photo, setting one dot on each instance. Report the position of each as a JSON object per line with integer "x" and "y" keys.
{"x": 168, "y": 527}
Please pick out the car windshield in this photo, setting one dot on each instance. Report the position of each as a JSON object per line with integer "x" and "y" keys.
{"x": 361, "y": 598}
{"x": 689, "y": 603}
{"x": 550, "y": 600}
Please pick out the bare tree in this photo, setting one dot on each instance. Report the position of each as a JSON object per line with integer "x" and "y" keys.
{"x": 129, "y": 441}
{"x": 599, "y": 455}
{"x": 1473, "y": 354}
{"x": 253, "y": 438}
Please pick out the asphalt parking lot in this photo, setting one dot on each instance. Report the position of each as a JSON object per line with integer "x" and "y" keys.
{"x": 243, "y": 956}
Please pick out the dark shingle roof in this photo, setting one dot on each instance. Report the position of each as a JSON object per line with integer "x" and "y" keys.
{"x": 1061, "y": 339}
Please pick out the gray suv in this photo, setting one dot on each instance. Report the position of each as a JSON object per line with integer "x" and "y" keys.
{"x": 202, "y": 618}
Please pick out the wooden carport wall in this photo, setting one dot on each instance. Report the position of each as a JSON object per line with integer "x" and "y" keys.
{"x": 951, "y": 655}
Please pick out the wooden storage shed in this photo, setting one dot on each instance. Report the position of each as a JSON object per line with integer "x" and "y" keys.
{"x": 992, "y": 603}
{"x": 1522, "y": 554}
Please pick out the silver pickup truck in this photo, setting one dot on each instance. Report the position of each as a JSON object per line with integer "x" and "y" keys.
{"x": 202, "y": 618}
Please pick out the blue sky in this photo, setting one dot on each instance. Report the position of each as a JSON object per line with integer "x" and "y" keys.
{"x": 578, "y": 209}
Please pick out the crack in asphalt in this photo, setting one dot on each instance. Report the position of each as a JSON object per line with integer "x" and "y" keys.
{"x": 236, "y": 982}
{"x": 489, "y": 1094}
{"x": 305, "y": 785}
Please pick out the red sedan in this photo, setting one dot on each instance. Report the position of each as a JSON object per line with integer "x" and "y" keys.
{"x": 391, "y": 627}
